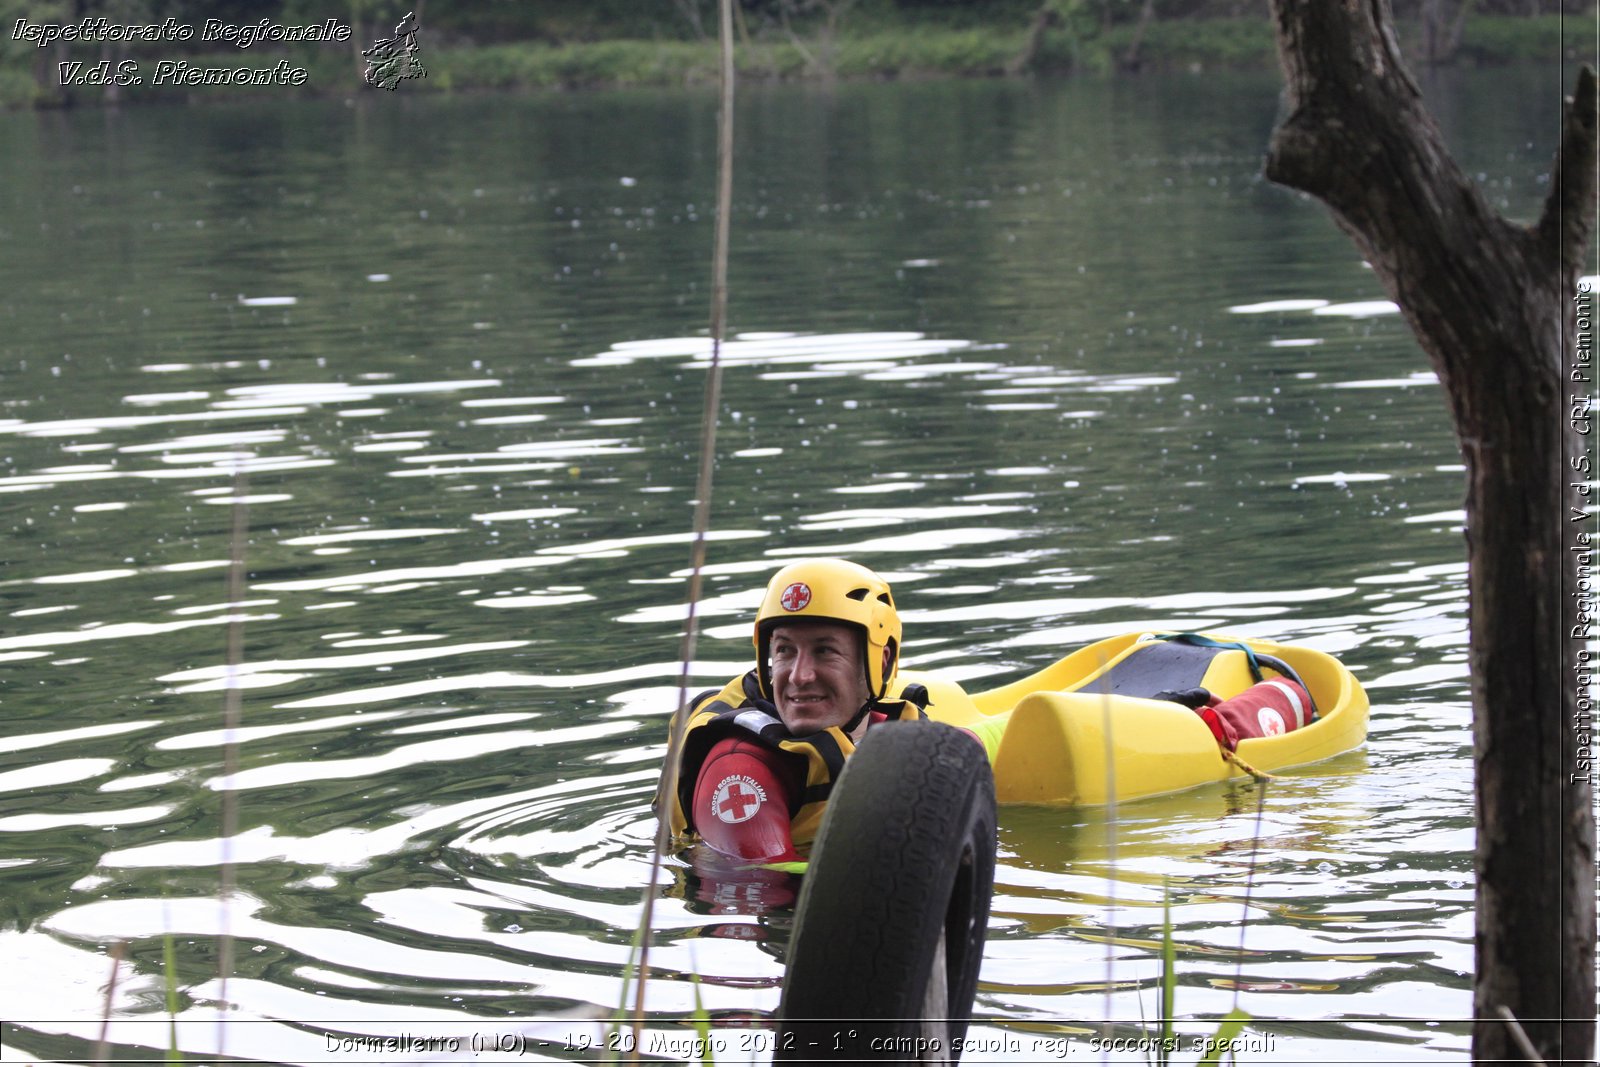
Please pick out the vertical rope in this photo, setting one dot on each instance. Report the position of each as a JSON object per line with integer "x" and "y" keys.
{"x": 1249, "y": 886}
{"x": 667, "y": 786}
{"x": 1106, "y": 726}
{"x": 102, "y": 1045}
{"x": 231, "y": 714}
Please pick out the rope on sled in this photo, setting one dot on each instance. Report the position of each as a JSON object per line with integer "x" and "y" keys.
{"x": 1260, "y": 777}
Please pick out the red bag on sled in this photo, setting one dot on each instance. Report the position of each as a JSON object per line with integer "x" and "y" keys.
{"x": 1266, "y": 709}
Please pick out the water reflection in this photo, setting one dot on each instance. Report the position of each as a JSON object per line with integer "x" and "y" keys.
{"x": 1049, "y": 404}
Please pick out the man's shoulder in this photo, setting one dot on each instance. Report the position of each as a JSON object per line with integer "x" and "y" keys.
{"x": 742, "y": 691}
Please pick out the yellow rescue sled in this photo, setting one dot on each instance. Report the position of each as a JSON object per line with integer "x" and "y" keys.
{"x": 1090, "y": 728}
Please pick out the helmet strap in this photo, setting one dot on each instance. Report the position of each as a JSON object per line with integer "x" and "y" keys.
{"x": 855, "y": 720}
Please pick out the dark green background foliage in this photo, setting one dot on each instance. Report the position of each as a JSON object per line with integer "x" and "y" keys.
{"x": 586, "y": 43}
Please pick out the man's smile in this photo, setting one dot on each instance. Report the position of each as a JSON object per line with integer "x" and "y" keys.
{"x": 817, "y": 675}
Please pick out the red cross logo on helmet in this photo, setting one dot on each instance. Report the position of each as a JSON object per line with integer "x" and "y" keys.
{"x": 796, "y": 597}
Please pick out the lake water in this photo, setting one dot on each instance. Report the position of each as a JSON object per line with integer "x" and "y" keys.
{"x": 1051, "y": 356}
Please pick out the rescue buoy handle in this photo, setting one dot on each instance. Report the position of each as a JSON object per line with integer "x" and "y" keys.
{"x": 1257, "y": 659}
{"x": 1290, "y": 673}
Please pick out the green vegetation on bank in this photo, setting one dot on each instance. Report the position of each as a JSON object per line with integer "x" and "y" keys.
{"x": 561, "y": 45}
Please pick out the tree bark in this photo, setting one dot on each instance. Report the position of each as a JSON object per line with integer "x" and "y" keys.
{"x": 690, "y": 10}
{"x": 1492, "y": 304}
{"x": 1130, "y": 58}
{"x": 1043, "y": 19}
{"x": 1441, "y": 32}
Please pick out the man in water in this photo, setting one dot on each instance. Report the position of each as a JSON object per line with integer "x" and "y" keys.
{"x": 760, "y": 757}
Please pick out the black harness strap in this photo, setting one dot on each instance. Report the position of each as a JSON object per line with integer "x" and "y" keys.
{"x": 1153, "y": 668}
{"x": 1172, "y": 666}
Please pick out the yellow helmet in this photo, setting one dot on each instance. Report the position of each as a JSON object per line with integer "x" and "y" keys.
{"x": 832, "y": 590}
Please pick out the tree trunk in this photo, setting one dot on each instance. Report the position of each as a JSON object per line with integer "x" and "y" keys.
{"x": 358, "y": 39}
{"x": 1043, "y": 19}
{"x": 1458, "y": 27}
{"x": 690, "y": 10}
{"x": 1131, "y": 59}
{"x": 1493, "y": 305}
{"x": 1441, "y": 31}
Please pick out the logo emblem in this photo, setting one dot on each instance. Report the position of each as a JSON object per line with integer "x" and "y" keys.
{"x": 737, "y": 798}
{"x": 1271, "y": 722}
{"x": 796, "y": 597}
{"x": 394, "y": 59}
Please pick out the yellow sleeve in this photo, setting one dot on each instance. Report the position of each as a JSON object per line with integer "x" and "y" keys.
{"x": 988, "y": 731}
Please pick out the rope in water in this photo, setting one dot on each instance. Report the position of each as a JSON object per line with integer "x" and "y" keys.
{"x": 1250, "y": 876}
{"x": 1108, "y": 1029}
{"x": 667, "y": 785}
{"x": 1261, "y": 777}
{"x": 232, "y": 715}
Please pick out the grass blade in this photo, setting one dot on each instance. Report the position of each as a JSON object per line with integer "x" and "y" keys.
{"x": 169, "y": 957}
{"x": 1169, "y": 978}
{"x": 702, "y": 1022}
{"x": 1231, "y": 1027}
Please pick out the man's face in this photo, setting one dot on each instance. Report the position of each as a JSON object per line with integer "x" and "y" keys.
{"x": 818, "y": 679}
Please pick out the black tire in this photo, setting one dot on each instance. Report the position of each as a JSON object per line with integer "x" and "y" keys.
{"x": 895, "y": 905}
